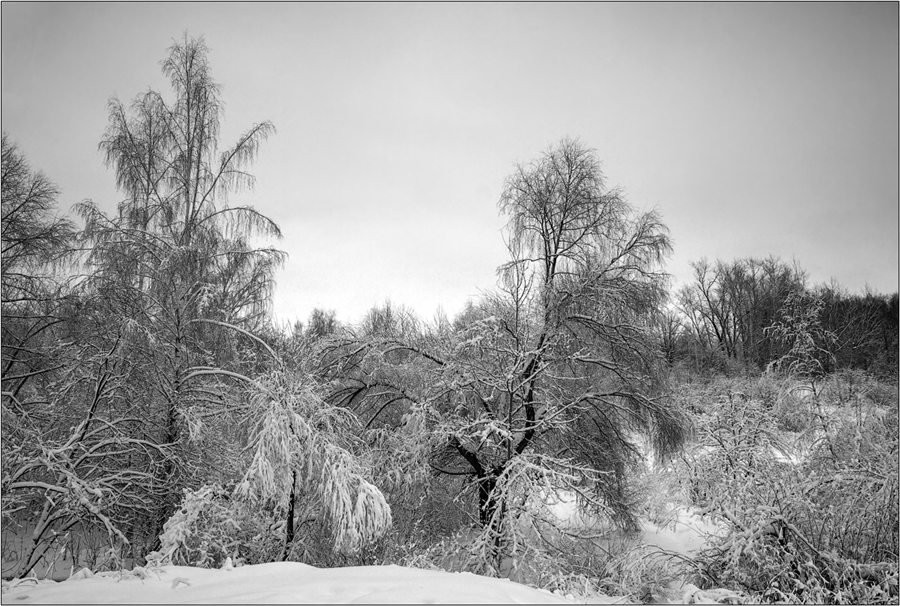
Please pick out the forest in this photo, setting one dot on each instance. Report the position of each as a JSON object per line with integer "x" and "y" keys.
{"x": 153, "y": 412}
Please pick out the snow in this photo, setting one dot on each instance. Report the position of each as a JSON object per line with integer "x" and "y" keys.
{"x": 685, "y": 535}
{"x": 280, "y": 583}
{"x": 563, "y": 505}
{"x": 291, "y": 582}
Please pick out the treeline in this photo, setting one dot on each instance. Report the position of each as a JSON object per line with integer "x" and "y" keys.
{"x": 725, "y": 320}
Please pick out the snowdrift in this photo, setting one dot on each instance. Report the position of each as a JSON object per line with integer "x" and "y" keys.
{"x": 279, "y": 583}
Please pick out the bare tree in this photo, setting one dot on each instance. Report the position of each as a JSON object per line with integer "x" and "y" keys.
{"x": 94, "y": 474}
{"x": 729, "y": 305}
{"x": 64, "y": 461}
{"x": 34, "y": 242}
{"x": 321, "y": 323}
{"x": 549, "y": 382}
{"x": 595, "y": 266}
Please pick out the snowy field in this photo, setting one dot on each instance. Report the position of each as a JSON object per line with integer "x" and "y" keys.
{"x": 280, "y": 583}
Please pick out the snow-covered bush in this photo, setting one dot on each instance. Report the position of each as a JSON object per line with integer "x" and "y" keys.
{"x": 201, "y": 532}
{"x": 736, "y": 438}
{"x": 823, "y": 528}
{"x": 210, "y": 526}
{"x": 304, "y": 491}
{"x": 303, "y": 450}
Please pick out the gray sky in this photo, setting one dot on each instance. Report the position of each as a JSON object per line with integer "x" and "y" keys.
{"x": 754, "y": 129}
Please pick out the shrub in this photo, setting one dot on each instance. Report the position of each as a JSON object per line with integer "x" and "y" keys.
{"x": 822, "y": 530}
{"x": 209, "y": 527}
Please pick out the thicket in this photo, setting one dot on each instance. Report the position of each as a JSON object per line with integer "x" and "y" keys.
{"x": 803, "y": 481}
{"x": 799, "y": 464}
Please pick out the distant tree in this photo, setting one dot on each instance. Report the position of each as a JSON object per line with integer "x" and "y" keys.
{"x": 800, "y": 329}
{"x": 865, "y": 328}
{"x": 672, "y": 336}
{"x": 388, "y": 320}
{"x": 470, "y": 313}
{"x": 729, "y": 305}
{"x": 321, "y": 323}
{"x": 297, "y": 329}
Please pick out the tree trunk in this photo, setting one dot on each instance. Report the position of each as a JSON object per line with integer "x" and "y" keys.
{"x": 487, "y": 502}
{"x": 289, "y": 523}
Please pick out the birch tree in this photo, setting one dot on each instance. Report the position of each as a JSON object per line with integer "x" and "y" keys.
{"x": 176, "y": 263}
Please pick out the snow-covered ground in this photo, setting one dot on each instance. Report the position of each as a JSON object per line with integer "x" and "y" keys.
{"x": 280, "y": 583}
{"x": 291, "y": 582}
{"x": 563, "y": 505}
{"x": 685, "y": 534}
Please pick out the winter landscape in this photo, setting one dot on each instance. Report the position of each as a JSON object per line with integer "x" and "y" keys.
{"x": 495, "y": 374}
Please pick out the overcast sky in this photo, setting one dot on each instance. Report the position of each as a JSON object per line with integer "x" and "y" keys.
{"x": 754, "y": 129}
